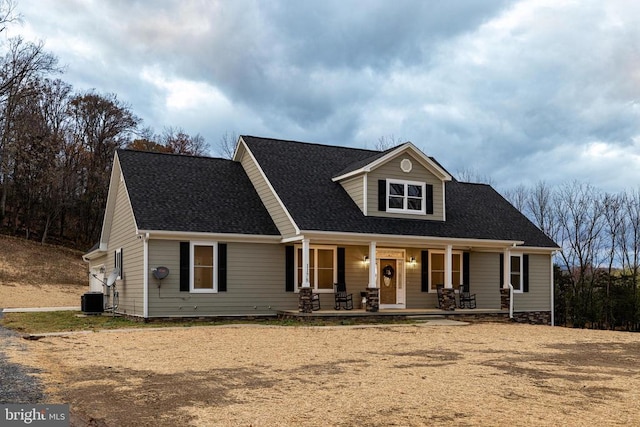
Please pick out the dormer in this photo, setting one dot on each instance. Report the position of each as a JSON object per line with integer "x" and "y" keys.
{"x": 401, "y": 182}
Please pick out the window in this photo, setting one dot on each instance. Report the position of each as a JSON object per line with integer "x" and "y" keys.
{"x": 322, "y": 267}
{"x": 406, "y": 196}
{"x": 437, "y": 272}
{"x": 516, "y": 273}
{"x": 118, "y": 263}
{"x": 204, "y": 277}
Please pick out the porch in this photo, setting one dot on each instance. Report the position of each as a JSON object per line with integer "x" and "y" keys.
{"x": 397, "y": 313}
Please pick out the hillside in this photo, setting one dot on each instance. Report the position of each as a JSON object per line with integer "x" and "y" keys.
{"x": 35, "y": 275}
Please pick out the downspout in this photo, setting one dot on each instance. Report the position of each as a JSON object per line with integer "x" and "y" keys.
{"x": 510, "y": 301}
{"x": 553, "y": 302}
{"x": 145, "y": 275}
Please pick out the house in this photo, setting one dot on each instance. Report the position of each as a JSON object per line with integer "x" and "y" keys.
{"x": 285, "y": 220}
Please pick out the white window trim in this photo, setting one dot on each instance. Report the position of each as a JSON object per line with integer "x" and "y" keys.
{"x": 432, "y": 286}
{"x": 422, "y": 185}
{"x": 520, "y": 289}
{"x": 314, "y": 286}
{"x": 192, "y": 289}
{"x": 115, "y": 263}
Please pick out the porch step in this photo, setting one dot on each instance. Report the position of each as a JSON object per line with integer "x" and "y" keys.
{"x": 424, "y": 318}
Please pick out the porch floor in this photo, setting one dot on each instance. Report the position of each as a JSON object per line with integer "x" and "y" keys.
{"x": 394, "y": 312}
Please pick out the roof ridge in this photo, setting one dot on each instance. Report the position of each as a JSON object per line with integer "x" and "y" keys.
{"x": 321, "y": 144}
{"x": 132, "y": 150}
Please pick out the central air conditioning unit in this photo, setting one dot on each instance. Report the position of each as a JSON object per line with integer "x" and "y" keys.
{"x": 92, "y": 303}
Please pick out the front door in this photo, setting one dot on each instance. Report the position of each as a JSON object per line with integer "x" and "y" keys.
{"x": 390, "y": 283}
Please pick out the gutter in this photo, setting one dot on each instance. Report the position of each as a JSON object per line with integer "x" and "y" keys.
{"x": 227, "y": 237}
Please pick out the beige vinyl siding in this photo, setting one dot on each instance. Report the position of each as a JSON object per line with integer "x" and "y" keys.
{"x": 255, "y": 283}
{"x": 356, "y": 275}
{"x": 415, "y": 297}
{"x": 355, "y": 188}
{"x": 539, "y": 296}
{"x": 269, "y": 200}
{"x": 484, "y": 279}
{"x": 391, "y": 170}
{"x": 123, "y": 235}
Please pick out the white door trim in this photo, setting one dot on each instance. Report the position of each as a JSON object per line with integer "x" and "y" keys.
{"x": 399, "y": 255}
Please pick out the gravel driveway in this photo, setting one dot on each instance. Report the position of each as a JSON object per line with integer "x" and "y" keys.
{"x": 18, "y": 385}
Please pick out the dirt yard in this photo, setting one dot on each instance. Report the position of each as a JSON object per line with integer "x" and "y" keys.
{"x": 35, "y": 275}
{"x": 479, "y": 374}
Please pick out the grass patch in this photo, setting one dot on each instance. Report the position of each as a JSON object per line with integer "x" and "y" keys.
{"x": 68, "y": 321}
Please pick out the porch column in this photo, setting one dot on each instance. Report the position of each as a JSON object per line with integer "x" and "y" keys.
{"x": 305, "y": 263}
{"x": 448, "y": 270}
{"x": 448, "y": 294}
{"x": 507, "y": 268}
{"x": 373, "y": 293}
{"x": 505, "y": 294}
{"x": 372, "y": 265}
{"x": 306, "y": 293}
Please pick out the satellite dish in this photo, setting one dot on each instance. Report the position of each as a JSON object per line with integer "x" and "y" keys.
{"x": 160, "y": 272}
{"x": 113, "y": 276}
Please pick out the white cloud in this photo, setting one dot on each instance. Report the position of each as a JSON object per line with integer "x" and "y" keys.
{"x": 182, "y": 94}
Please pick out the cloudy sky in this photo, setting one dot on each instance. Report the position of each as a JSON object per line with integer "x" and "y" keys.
{"x": 518, "y": 91}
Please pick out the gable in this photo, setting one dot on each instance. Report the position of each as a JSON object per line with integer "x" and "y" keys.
{"x": 370, "y": 182}
{"x": 397, "y": 170}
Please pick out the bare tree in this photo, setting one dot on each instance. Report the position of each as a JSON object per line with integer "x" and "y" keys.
{"x": 517, "y": 196}
{"x": 101, "y": 124}
{"x": 8, "y": 14}
{"x": 473, "y": 175}
{"x": 539, "y": 205}
{"x": 179, "y": 142}
{"x": 386, "y": 142}
{"x": 227, "y": 145}
{"x": 629, "y": 247}
{"x": 24, "y": 65}
{"x": 580, "y": 224}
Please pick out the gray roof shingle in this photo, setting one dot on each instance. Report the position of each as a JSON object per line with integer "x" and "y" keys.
{"x": 183, "y": 193}
{"x": 301, "y": 174}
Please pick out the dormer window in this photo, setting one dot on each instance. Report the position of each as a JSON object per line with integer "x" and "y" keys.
{"x": 406, "y": 196}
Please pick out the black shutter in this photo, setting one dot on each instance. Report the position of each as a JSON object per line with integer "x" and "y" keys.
{"x": 465, "y": 271}
{"x": 222, "y": 267}
{"x": 382, "y": 195}
{"x": 525, "y": 273}
{"x": 184, "y": 266}
{"x": 289, "y": 252}
{"x": 121, "y": 260}
{"x": 429, "y": 198}
{"x": 424, "y": 267}
{"x": 501, "y": 271}
{"x": 341, "y": 266}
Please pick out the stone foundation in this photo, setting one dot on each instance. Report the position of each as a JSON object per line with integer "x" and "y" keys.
{"x": 304, "y": 300}
{"x": 533, "y": 317}
{"x": 504, "y": 298}
{"x": 373, "y": 299}
{"x": 447, "y": 299}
